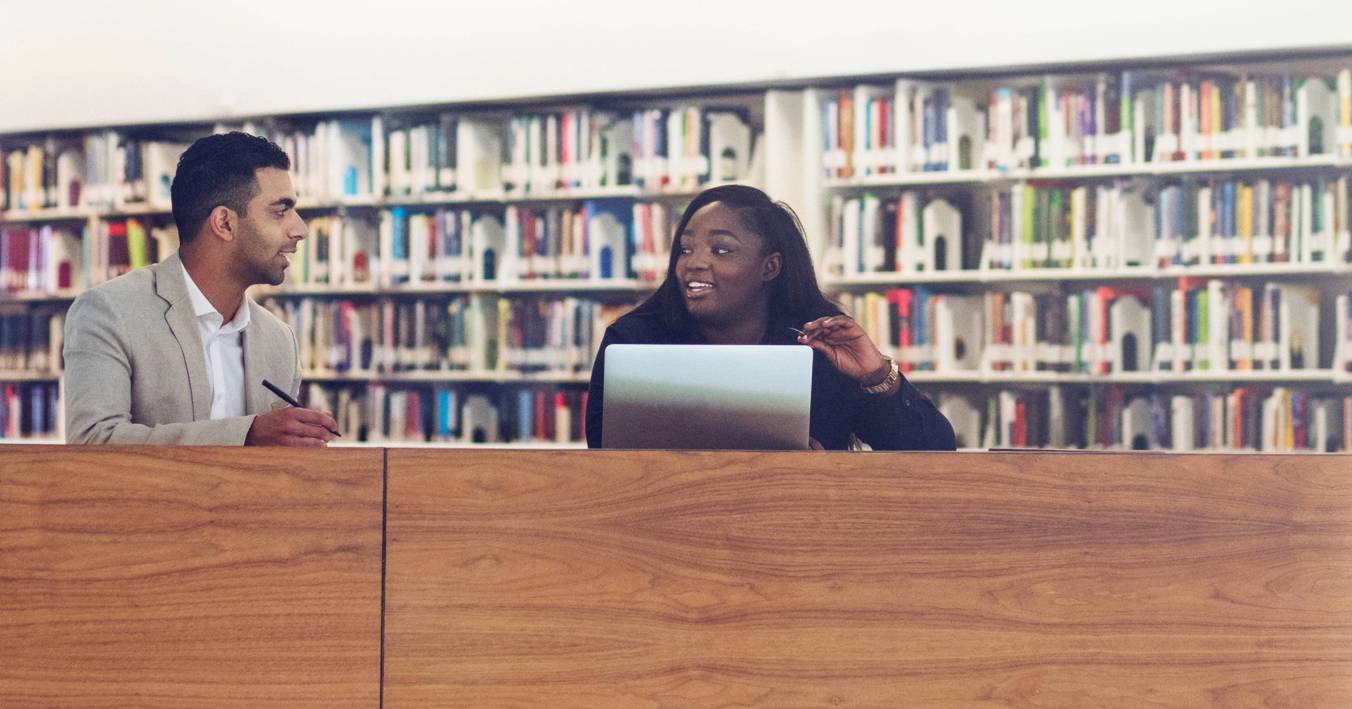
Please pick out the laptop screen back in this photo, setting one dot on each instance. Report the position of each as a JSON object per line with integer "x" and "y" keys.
{"x": 749, "y": 397}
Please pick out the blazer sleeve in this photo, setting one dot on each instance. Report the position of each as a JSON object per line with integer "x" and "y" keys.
{"x": 98, "y": 374}
{"x": 907, "y": 420}
{"x": 295, "y": 351}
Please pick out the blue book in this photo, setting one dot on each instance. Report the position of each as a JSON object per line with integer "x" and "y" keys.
{"x": 445, "y": 412}
{"x": 525, "y": 414}
{"x": 398, "y": 242}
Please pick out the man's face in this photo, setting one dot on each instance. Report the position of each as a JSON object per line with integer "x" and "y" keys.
{"x": 269, "y": 229}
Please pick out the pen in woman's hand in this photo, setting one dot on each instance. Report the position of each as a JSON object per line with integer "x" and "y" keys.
{"x": 287, "y": 398}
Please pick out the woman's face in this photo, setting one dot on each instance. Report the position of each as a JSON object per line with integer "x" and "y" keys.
{"x": 722, "y": 266}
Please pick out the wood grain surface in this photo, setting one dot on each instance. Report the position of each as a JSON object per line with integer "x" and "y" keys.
{"x": 599, "y": 579}
{"x": 189, "y": 577}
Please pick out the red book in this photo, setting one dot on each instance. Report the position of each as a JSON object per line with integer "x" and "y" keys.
{"x": 413, "y": 416}
{"x": 119, "y": 258}
{"x": 539, "y": 428}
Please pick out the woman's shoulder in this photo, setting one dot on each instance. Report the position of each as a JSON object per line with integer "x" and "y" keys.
{"x": 639, "y": 327}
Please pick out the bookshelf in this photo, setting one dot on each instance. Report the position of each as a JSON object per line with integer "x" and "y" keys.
{"x": 1121, "y": 257}
{"x": 1068, "y": 195}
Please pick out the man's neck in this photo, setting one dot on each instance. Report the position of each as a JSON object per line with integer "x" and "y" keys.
{"x": 224, "y": 294}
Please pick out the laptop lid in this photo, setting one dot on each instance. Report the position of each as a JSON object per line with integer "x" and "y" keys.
{"x": 750, "y": 397}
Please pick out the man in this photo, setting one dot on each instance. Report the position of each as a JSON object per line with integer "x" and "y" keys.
{"x": 175, "y": 352}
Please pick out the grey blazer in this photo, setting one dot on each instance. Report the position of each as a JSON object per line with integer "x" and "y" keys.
{"x": 135, "y": 371}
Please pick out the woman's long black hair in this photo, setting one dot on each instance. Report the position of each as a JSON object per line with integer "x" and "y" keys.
{"x": 795, "y": 297}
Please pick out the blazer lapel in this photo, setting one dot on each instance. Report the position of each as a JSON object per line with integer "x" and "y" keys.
{"x": 254, "y": 369}
{"x": 182, "y": 322}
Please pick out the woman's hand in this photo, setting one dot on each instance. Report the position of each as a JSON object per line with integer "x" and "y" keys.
{"x": 847, "y": 347}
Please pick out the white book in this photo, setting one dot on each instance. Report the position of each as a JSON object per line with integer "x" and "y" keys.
{"x": 486, "y": 241}
{"x": 1298, "y": 338}
{"x": 1218, "y": 325}
{"x": 958, "y": 328}
{"x": 870, "y": 241}
{"x": 729, "y": 146}
{"x": 942, "y": 223}
{"x": 1182, "y": 423}
{"x": 479, "y": 420}
{"x": 850, "y": 217}
{"x": 906, "y": 152}
{"x": 965, "y": 417}
{"x": 478, "y": 155}
{"x": 1315, "y": 117}
{"x": 1323, "y": 424}
{"x": 400, "y": 182}
{"x": 1136, "y": 425}
{"x": 1130, "y": 332}
{"x": 966, "y": 131}
{"x": 1342, "y": 333}
{"x": 607, "y": 236}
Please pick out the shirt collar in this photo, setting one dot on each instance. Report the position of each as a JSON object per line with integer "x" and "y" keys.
{"x": 202, "y": 307}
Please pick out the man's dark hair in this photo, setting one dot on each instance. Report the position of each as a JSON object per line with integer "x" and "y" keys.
{"x": 219, "y": 170}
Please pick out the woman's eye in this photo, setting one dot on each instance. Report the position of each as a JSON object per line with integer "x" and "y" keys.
{"x": 683, "y": 251}
{"x": 719, "y": 250}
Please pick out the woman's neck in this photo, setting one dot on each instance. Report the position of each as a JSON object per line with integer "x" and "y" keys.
{"x": 743, "y": 331}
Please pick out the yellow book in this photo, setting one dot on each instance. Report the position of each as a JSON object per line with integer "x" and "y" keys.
{"x": 504, "y": 328}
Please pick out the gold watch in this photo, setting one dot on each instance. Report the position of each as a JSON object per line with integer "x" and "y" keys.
{"x": 889, "y": 383}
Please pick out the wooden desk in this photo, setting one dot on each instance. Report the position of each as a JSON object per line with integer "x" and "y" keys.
{"x": 868, "y": 580}
{"x": 162, "y": 577}
{"x": 189, "y": 577}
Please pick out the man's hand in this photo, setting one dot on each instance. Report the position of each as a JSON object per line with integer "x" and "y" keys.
{"x": 292, "y": 426}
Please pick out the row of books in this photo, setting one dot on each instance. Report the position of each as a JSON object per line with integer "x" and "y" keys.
{"x": 1060, "y": 121}
{"x": 686, "y": 147}
{"x": 378, "y": 413}
{"x": 657, "y": 149}
{"x": 1279, "y": 419}
{"x": 1197, "y": 326}
{"x": 905, "y": 233}
{"x": 104, "y": 169}
{"x": 595, "y": 240}
{"x": 473, "y": 333}
{"x": 1187, "y": 223}
{"x": 56, "y": 259}
{"x": 1123, "y": 224}
{"x": 30, "y": 341}
{"x": 29, "y": 410}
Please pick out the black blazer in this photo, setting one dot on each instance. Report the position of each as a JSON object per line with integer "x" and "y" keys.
{"x": 907, "y": 420}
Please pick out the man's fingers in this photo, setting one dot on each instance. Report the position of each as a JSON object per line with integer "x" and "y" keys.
{"x": 307, "y": 430}
{"x": 316, "y": 418}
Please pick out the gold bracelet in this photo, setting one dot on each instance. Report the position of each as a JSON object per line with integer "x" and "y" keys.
{"x": 889, "y": 383}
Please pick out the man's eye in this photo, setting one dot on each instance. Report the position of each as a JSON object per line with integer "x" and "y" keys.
{"x": 684, "y": 251}
{"x": 719, "y": 250}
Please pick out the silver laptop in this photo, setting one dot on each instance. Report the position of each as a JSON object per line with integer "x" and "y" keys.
{"x": 750, "y": 397}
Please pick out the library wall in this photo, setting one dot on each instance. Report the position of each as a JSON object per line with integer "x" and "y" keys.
{"x": 152, "y": 61}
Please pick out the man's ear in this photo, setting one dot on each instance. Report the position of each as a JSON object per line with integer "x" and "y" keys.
{"x": 221, "y": 223}
{"x": 770, "y": 267}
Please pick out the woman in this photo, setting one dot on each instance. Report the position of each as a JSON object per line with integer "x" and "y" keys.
{"x": 740, "y": 274}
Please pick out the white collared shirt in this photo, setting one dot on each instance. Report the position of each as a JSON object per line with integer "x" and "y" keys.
{"x": 223, "y": 345}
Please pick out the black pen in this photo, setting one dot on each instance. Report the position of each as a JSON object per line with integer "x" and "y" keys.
{"x": 287, "y": 398}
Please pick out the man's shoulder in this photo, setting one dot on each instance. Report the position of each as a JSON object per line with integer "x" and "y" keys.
{"x": 138, "y": 285}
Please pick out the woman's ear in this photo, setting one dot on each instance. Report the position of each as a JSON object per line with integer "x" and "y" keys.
{"x": 771, "y": 266}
